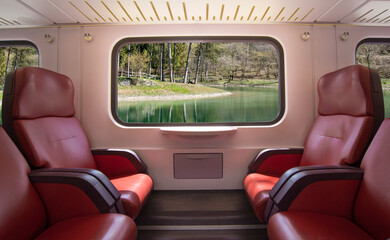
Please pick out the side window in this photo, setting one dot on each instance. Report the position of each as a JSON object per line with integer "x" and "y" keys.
{"x": 375, "y": 54}
{"x": 14, "y": 55}
{"x": 197, "y": 81}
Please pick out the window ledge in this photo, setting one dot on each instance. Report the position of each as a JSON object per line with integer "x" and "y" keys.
{"x": 198, "y": 131}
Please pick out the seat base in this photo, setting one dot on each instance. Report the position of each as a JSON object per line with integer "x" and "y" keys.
{"x": 102, "y": 226}
{"x": 307, "y": 225}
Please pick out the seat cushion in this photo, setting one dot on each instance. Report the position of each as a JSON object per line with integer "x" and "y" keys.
{"x": 22, "y": 215}
{"x": 102, "y": 226}
{"x": 306, "y": 225}
{"x": 336, "y": 140}
{"x": 372, "y": 208}
{"x": 134, "y": 190}
{"x": 257, "y": 187}
{"x": 55, "y": 142}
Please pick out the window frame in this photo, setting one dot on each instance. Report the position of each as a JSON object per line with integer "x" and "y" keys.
{"x": 201, "y": 39}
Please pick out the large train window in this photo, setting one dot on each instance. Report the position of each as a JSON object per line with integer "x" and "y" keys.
{"x": 197, "y": 81}
{"x": 14, "y": 55}
{"x": 375, "y": 53}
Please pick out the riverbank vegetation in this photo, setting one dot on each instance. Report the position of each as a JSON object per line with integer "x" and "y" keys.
{"x": 205, "y": 63}
{"x": 158, "y": 88}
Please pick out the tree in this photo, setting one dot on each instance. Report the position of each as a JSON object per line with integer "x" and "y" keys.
{"x": 150, "y": 61}
{"x": 185, "y": 80}
{"x": 162, "y": 62}
{"x": 139, "y": 61}
{"x": 366, "y": 52}
{"x": 171, "y": 77}
{"x": 198, "y": 54}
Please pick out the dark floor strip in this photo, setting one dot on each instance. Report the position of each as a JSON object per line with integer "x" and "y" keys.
{"x": 224, "y": 214}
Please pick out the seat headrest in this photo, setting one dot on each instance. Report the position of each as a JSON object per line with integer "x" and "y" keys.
{"x": 347, "y": 91}
{"x": 40, "y": 93}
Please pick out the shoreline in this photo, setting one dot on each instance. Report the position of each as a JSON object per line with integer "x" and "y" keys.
{"x": 172, "y": 97}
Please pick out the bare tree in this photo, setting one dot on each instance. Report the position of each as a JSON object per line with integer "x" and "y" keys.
{"x": 185, "y": 80}
{"x": 150, "y": 61}
{"x": 199, "y": 53}
{"x": 170, "y": 64}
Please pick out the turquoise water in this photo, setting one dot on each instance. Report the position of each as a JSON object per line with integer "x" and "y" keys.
{"x": 244, "y": 105}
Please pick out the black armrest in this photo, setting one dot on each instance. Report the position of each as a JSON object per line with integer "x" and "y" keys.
{"x": 294, "y": 181}
{"x": 96, "y": 174}
{"x": 129, "y": 154}
{"x": 266, "y": 153}
{"x": 91, "y": 186}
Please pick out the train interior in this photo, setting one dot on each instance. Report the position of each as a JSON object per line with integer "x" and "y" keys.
{"x": 304, "y": 87}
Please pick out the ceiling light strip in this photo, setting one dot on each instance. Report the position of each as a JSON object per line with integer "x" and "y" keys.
{"x": 279, "y": 13}
{"x": 357, "y": 19}
{"x": 128, "y": 15}
{"x": 307, "y": 14}
{"x": 155, "y": 11}
{"x": 250, "y": 14}
{"x": 95, "y": 11}
{"x": 293, "y": 14}
{"x": 185, "y": 11}
{"x": 4, "y": 23}
{"x": 139, "y": 10}
{"x": 80, "y": 11}
{"x": 170, "y": 11}
{"x": 265, "y": 13}
{"x": 369, "y": 20}
{"x": 222, "y": 8}
{"x": 207, "y": 12}
{"x": 110, "y": 11}
{"x": 384, "y": 19}
{"x": 5, "y": 20}
{"x": 235, "y": 15}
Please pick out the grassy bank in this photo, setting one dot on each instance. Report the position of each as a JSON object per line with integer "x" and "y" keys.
{"x": 166, "y": 88}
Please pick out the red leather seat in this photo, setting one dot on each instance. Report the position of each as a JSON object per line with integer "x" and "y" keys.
{"x": 39, "y": 116}
{"x": 350, "y": 111}
{"x": 366, "y": 204}
{"x": 24, "y": 214}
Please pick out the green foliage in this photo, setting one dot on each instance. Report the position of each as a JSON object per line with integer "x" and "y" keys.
{"x": 164, "y": 89}
{"x": 227, "y": 61}
{"x": 376, "y": 56}
{"x": 12, "y": 58}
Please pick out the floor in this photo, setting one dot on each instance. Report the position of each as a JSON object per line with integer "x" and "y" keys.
{"x": 192, "y": 215}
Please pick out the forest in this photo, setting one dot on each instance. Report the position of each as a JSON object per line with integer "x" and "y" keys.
{"x": 375, "y": 56}
{"x": 14, "y": 57}
{"x": 199, "y": 62}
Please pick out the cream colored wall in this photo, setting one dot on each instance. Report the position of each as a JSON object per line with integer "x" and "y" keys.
{"x": 89, "y": 64}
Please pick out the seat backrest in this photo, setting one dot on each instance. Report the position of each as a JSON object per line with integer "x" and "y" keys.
{"x": 350, "y": 111}
{"x": 39, "y": 116}
{"x": 372, "y": 207}
{"x": 22, "y": 213}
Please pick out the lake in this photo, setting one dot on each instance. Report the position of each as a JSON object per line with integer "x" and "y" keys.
{"x": 246, "y": 104}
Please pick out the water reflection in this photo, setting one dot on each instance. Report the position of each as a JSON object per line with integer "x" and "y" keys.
{"x": 246, "y": 104}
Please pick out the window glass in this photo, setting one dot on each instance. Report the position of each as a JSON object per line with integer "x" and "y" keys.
{"x": 375, "y": 54}
{"x": 14, "y": 55}
{"x": 197, "y": 81}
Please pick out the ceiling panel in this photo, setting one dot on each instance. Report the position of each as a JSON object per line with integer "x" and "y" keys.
{"x": 373, "y": 12}
{"x": 16, "y": 14}
{"x": 20, "y": 13}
